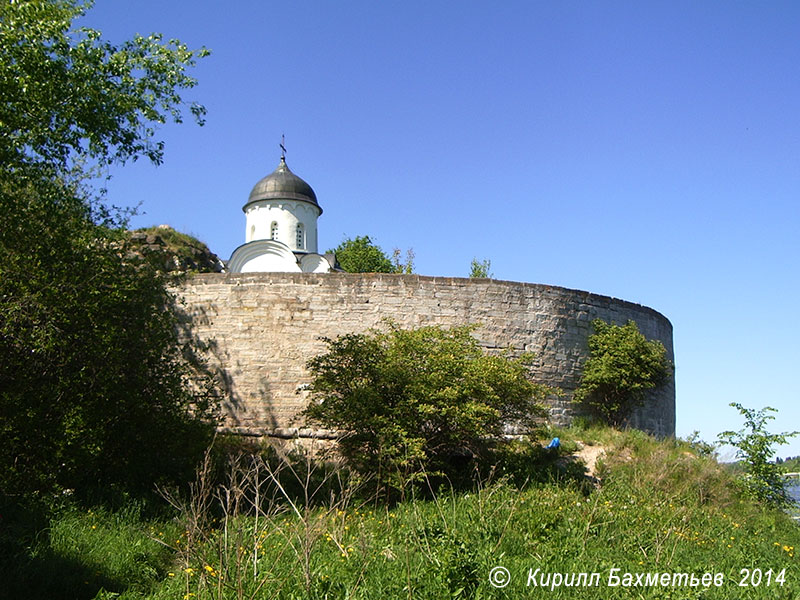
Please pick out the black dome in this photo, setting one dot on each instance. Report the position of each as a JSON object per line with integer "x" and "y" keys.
{"x": 282, "y": 184}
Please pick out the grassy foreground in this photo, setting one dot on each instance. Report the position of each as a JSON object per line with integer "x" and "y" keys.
{"x": 663, "y": 521}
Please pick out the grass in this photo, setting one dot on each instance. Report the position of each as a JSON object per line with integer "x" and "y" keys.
{"x": 184, "y": 249}
{"x": 660, "y": 507}
{"x": 83, "y": 553}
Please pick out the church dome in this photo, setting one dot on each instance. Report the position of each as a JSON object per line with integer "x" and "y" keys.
{"x": 282, "y": 184}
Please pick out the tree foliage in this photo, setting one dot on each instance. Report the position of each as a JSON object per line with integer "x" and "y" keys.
{"x": 622, "y": 366}
{"x": 93, "y": 374}
{"x": 480, "y": 269}
{"x": 362, "y": 255}
{"x": 755, "y": 446}
{"x": 68, "y": 97}
{"x": 411, "y": 400}
{"x": 93, "y": 367}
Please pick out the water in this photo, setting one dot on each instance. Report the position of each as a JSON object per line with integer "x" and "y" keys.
{"x": 794, "y": 490}
{"x": 793, "y": 487}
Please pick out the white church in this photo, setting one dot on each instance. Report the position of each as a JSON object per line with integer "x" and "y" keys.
{"x": 281, "y": 219}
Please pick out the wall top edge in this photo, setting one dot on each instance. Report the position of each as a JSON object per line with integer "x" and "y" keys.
{"x": 320, "y": 278}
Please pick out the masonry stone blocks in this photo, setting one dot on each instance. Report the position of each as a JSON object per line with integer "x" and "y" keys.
{"x": 263, "y": 328}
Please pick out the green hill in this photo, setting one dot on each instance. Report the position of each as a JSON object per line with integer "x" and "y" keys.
{"x": 174, "y": 251}
{"x": 653, "y": 519}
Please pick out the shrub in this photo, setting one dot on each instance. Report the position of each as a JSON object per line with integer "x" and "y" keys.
{"x": 480, "y": 269}
{"x": 361, "y": 255}
{"x": 622, "y": 366}
{"x": 419, "y": 400}
{"x": 762, "y": 479}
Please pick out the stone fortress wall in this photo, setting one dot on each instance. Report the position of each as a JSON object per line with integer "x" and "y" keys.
{"x": 263, "y": 327}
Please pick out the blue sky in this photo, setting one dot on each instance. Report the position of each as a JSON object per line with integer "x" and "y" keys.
{"x": 648, "y": 151}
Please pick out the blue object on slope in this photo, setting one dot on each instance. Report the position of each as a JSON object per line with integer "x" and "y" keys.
{"x": 554, "y": 444}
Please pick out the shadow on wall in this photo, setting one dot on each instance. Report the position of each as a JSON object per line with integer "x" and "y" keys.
{"x": 269, "y": 324}
{"x": 212, "y": 381}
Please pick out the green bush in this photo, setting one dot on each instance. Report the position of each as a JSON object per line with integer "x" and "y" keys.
{"x": 480, "y": 269}
{"x": 414, "y": 401}
{"x": 622, "y": 366}
{"x": 362, "y": 255}
{"x": 762, "y": 479}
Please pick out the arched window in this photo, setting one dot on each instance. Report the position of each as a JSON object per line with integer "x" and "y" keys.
{"x": 252, "y": 233}
{"x": 300, "y": 237}
{"x": 274, "y": 231}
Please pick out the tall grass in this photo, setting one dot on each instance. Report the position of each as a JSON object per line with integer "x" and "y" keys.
{"x": 276, "y": 527}
{"x": 83, "y": 553}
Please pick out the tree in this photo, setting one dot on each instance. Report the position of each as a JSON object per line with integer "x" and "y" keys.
{"x": 93, "y": 367}
{"x": 480, "y": 270}
{"x": 622, "y": 366}
{"x": 68, "y": 98}
{"x": 362, "y": 255}
{"x": 93, "y": 372}
{"x": 411, "y": 400}
{"x": 755, "y": 447}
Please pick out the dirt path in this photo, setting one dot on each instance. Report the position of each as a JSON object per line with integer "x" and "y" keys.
{"x": 589, "y": 455}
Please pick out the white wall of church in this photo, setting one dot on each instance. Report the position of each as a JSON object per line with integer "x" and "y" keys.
{"x": 263, "y": 256}
{"x": 269, "y": 263}
{"x": 283, "y": 217}
{"x": 314, "y": 263}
